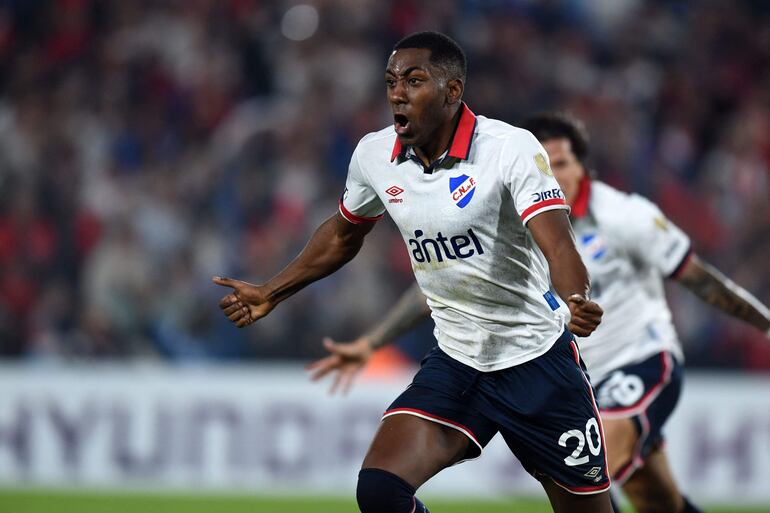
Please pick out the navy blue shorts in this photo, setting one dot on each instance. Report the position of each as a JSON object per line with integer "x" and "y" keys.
{"x": 646, "y": 392}
{"x": 544, "y": 409}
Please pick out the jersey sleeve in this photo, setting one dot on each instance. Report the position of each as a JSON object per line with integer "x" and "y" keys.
{"x": 359, "y": 202}
{"x": 655, "y": 240}
{"x": 530, "y": 179}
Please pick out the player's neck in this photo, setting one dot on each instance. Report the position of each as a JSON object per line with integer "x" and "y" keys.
{"x": 439, "y": 141}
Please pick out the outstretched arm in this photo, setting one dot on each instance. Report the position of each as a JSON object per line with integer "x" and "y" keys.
{"x": 411, "y": 308}
{"x": 553, "y": 234}
{"x": 347, "y": 359}
{"x": 718, "y": 290}
{"x": 332, "y": 245}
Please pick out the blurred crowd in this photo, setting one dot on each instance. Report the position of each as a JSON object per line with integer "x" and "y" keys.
{"x": 148, "y": 145}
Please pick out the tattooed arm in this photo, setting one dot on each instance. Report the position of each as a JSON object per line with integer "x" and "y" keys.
{"x": 716, "y": 289}
{"x": 410, "y": 309}
{"x": 347, "y": 359}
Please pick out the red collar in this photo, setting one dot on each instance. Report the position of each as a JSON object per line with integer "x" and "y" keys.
{"x": 580, "y": 205}
{"x": 460, "y": 145}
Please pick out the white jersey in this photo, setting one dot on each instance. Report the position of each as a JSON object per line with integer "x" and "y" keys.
{"x": 463, "y": 221}
{"x": 628, "y": 247}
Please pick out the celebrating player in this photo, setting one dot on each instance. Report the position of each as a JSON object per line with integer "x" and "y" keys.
{"x": 483, "y": 220}
{"x": 634, "y": 357}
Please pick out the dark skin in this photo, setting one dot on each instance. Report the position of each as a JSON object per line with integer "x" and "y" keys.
{"x": 651, "y": 488}
{"x": 426, "y": 106}
{"x": 429, "y": 103}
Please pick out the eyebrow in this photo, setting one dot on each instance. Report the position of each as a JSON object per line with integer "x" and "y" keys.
{"x": 407, "y": 71}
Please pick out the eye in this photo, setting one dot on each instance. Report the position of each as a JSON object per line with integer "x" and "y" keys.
{"x": 414, "y": 81}
{"x": 390, "y": 82}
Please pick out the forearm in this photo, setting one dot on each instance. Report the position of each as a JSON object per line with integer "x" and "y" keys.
{"x": 553, "y": 234}
{"x": 327, "y": 250}
{"x": 716, "y": 289}
{"x": 410, "y": 309}
{"x": 568, "y": 273}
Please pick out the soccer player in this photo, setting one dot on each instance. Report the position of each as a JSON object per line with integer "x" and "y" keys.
{"x": 483, "y": 220}
{"x": 634, "y": 358}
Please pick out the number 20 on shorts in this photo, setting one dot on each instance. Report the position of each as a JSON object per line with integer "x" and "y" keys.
{"x": 591, "y": 431}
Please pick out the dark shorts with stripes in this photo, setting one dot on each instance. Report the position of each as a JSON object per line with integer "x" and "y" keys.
{"x": 544, "y": 409}
{"x": 646, "y": 392}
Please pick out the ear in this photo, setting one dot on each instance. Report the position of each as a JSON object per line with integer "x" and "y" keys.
{"x": 454, "y": 91}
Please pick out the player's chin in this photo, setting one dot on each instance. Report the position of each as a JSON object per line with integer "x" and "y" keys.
{"x": 413, "y": 136}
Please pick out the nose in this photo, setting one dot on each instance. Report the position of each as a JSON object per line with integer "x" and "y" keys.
{"x": 397, "y": 93}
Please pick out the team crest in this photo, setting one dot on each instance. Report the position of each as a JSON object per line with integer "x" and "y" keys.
{"x": 542, "y": 164}
{"x": 593, "y": 245}
{"x": 462, "y": 188}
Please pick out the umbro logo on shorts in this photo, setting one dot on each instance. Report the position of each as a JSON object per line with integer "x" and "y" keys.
{"x": 594, "y": 473}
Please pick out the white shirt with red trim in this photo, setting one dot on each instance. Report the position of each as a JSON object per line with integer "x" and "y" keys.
{"x": 628, "y": 247}
{"x": 464, "y": 224}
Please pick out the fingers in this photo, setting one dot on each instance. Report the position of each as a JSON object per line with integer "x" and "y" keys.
{"x": 345, "y": 350}
{"x": 585, "y": 315}
{"x": 243, "y": 322}
{"x": 580, "y": 330}
{"x": 236, "y": 311}
{"x": 346, "y": 382}
{"x": 234, "y": 306}
{"x": 227, "y": 301}
{"x": 343, "y": 381}
{"x": 322, "y": 367}
{"x": 583, "y": 326}
{"x": 226, "y": 282}
{"x": 335, "y": 383}
{"x": 329, "y": 344}
{"x": 592, "y": 308}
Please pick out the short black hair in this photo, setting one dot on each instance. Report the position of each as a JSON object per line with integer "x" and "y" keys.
{"x": 556, "y": 125}
{"x": 445, "y": 53}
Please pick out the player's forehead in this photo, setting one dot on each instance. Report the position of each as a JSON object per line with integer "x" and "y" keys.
{"x": 558, "y": 147}
{"x": 406, "y": 60}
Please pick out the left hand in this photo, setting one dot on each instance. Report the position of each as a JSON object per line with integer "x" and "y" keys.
{"x": 586, "y": 315}
{"x": 345, "y": 361}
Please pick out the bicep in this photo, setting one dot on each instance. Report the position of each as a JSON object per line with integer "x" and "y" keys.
{"x": 346, "y": 231}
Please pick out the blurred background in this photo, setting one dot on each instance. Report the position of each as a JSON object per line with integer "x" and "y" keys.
{"x": 148, "y": 145}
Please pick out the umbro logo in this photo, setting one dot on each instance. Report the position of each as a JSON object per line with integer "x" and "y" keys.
{"x": 594, "y": 473}
{"x": 394, "y": 190}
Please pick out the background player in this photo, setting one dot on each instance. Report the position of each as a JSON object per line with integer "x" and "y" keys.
{"x": 505, "y": 362}
{"x": 634, "y": 358}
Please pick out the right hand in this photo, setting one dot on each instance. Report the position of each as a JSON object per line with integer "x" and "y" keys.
{"x": 246, "y": 304}
{"x": 345, "y": 361}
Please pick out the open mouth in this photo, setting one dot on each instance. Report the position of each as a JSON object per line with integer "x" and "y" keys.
{"x": 401, "y": 123}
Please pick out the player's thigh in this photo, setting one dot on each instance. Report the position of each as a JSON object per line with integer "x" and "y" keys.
{"x": 563, "y": 501}
{"x": 414, "y": 449}
{"x": 621, "y": 438}
{"x": 545, "y": 411}
{"x": 652, "y": 488}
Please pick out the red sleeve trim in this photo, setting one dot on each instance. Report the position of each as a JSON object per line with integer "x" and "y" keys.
{"x": 682, "y": 265}
{"x": 537, "y": 206}
{"x": 357, "y": 219}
